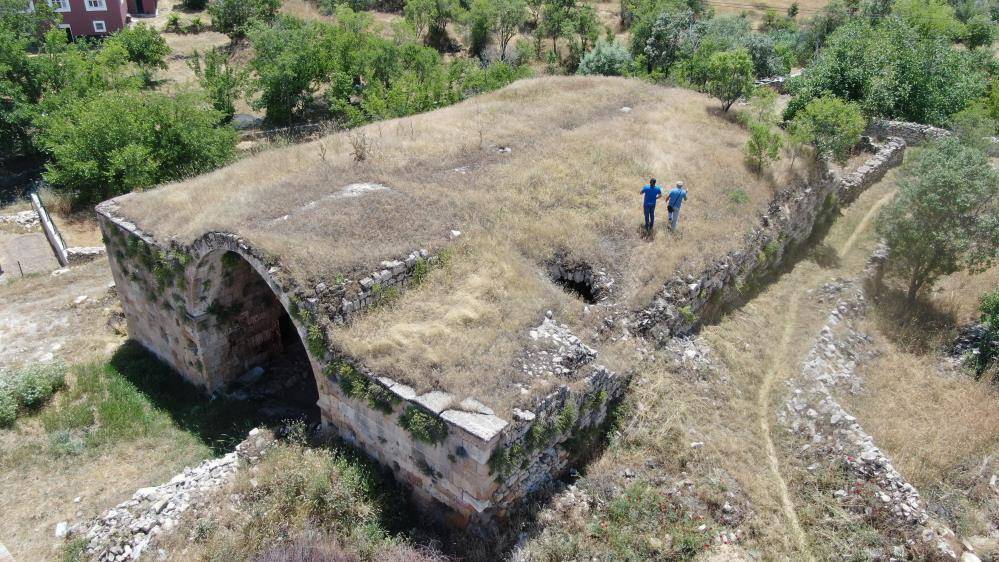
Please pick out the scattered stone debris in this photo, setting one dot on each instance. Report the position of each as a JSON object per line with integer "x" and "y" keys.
{"x": 83, "y": 254}
{"x": 27, "y": 220}
{"x": 813, "y": 414}
{"x": 559, "y": 352}
{"x": 126, "y": 531}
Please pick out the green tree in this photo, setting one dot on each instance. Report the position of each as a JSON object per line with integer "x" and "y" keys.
{"x": 115, "y": 142}
{"x": 979, "y": 32}
{"x": 730, "y": 76}
{"x": 430, "y": 18}
{"x": 145, "y": 46}
{"x": 222, "y": 81}
{"x": 945, "y": 217}
{"x": 510, "y": 15}
{"x": 480, "y": 20}
{"x": 832, "y": 125}
{"x": 893, "y": 72}
{"x": 291, "y": 63}
{"x": 670, "y": 33}
{"x": 933, "y": 18}
{"x": 235, "y": 17}
{"x": 764, "y": 144}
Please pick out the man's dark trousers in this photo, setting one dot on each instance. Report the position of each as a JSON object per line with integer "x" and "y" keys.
{"x": 650, "y": 216}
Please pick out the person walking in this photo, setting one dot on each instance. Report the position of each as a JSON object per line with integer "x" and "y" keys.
{"x": 677, "y": 196}
{"x": 652, "y": 193}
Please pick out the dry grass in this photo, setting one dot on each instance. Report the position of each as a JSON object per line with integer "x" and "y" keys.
{"x": 673, "y": 402}
{"x": 299, "y": 504}
{"x": 928, "y": 419}
{"x": 462, "y": 329}
{"x": 569, "y": 184}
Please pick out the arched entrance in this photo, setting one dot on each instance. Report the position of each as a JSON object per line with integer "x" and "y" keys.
{"x": 248, "y": 345}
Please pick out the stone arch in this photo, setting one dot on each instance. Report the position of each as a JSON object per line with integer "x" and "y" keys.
{"x": 240, "y": 316}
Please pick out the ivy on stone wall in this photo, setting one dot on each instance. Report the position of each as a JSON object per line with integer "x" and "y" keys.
{"x": 423, "y": 426}
{"x": 359, "y": 387}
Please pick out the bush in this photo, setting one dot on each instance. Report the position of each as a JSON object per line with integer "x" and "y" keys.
{"x": 235, "y": 17}
{"x": 608, "y": 59}
{"x": 763, "y": 146}
{"x": 989, "y": 345}
{"x": 8, "y": 407}
{"x": 832, "y": 125}
{"x": 28, "y": 389}
{"x": 196, "y": 5}
{"x": 978, "y": 32}
{"x": 116, "y": 142}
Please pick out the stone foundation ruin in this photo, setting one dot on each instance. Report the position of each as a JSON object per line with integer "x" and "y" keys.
{"x": 227, "y": 312}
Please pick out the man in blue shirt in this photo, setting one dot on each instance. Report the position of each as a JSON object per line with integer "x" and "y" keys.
{"x": 651, "y": 193}
{"x": 677, "y": 196}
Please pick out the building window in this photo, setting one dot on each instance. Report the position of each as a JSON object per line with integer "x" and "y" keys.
{"x": 96, "y": 5}
{"x": 99, "y": 26}
{"x": 60, "y": 5}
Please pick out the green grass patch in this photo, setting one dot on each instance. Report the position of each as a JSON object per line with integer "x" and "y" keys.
{"x": 135, "y": 396}
{"x": 27, "y": 389}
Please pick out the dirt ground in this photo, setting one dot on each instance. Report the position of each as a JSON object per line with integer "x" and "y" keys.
{"x": 44, "y": 317}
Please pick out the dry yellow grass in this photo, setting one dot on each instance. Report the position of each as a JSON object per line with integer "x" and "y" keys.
{"x": 568, "y": 184}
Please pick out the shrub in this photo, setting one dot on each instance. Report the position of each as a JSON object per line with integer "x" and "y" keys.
{"x": 423, "y": 426}
{"x": 608, "y": 59}
{"x": 8, "y": 407}
{"x": 832, "y": 125}
{"x": 763, "y": 146}
{"x": 173, "y": 22}
{"x": 978, "y": 32}
{"x": 34, "y": 385}
{"x": 145, "y": 47}
{"x": 989, "y": 346}
{"x": 196, "y": 5}
{"x": 117, "y": 142}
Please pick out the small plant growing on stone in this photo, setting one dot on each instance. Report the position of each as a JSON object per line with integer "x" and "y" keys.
{"x": 423, "y": 426}
{"x": 317, "y": 341}
{"x": 566, "y": 418}
{"x": 687, "y": 314}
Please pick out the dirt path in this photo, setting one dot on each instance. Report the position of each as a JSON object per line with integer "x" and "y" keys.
{"x": 779, "y": 364}
{"x": 763, "y": 345}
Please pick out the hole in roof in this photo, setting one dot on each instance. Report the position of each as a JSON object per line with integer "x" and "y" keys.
{"x": 580, "y": 289}
{"x": 581, "y": 280}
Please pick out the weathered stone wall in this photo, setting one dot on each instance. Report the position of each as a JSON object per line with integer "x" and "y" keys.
{"x": 689, "y": 299}
{"x": 211, "y": 311}
{"x": 911, "y": 133}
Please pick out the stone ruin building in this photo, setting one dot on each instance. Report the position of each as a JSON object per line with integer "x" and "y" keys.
{"x": 263, "y": 271}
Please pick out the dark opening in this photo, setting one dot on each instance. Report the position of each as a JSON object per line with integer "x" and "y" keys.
{"x": 581, "y": 289}
{"x": 280, "y": 380}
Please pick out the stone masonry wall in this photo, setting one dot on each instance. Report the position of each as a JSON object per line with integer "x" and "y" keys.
{"x": 689, "y": 299}
{"x": 211, "y": 311}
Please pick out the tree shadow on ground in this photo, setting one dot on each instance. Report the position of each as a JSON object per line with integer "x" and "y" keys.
{"x": 918, "y": 327}
{"x": 218, "y": 423}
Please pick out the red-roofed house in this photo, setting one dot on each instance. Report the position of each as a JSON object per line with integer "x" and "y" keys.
{"x": 95, "y": 18}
